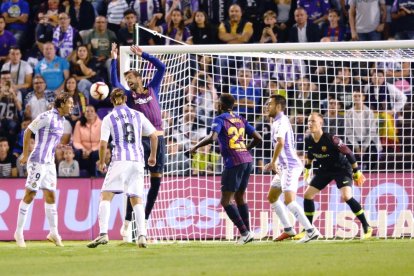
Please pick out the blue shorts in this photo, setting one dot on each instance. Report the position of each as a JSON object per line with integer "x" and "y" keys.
{"x": 159, "y": 166}
{"x": 236, "y": 178}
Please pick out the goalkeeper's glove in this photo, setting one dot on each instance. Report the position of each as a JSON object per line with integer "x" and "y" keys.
{"x": 306, "y": 175}
{"x": 358, "y": 177}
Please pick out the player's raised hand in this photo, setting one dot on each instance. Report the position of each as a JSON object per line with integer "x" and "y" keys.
{"x": 359, "y": 178}
{"x": 136, "y": 50}
{"x": 114, "y": 51}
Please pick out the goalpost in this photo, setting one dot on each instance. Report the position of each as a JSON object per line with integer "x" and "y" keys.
{"x": 321, "y": 77}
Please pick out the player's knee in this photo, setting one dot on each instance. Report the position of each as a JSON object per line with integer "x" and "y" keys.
{"x": 271, "y": 198}
{"x": 224, "y": 202}
{"x": 308, "y": 196}
{"x": 346, "y": 197}
{"x": 29, "y": 197}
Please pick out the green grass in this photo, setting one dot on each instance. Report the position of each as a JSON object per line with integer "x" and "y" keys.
{"x": 376, "y": 257}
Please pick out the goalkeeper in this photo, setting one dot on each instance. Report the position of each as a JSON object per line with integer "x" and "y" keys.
{"x": 336, "y": 162}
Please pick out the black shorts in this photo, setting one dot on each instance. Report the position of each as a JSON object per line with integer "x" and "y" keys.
{"x": 323, "y": 178}
{"x": 236, "y": 178}
{"x": 159, "y": 166}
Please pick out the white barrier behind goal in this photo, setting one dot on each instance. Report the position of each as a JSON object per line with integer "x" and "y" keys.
{"x": 321, "y": 77}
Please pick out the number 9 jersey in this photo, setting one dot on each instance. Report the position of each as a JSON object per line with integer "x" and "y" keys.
{"x": 231, "y": 129}
{"x": 126, "y": 126}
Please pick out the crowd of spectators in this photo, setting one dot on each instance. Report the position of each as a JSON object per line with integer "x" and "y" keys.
{"x": 49, "y": 46}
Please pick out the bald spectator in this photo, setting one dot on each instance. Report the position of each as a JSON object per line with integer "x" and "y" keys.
{"x": 52, "y": 68}
{"x": 235, "y": 29}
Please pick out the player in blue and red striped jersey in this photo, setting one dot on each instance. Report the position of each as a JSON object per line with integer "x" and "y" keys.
{"x": 229, "y": 129}
{"x": 146, "y": 100}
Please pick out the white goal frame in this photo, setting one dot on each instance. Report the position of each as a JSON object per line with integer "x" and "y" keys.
{"x": 317, "y": 51}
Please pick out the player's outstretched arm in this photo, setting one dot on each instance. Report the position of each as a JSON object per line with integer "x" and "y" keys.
{"x": 159, "y": 74}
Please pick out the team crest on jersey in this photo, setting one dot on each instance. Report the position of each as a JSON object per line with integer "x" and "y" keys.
{"x": 324, "y": 148}
{"x": 34, "y": 185}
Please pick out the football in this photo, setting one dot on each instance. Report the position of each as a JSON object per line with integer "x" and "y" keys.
{"x": 99, "y": 90}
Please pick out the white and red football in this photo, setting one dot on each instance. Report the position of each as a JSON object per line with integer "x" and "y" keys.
{"x": 99, "y": 91}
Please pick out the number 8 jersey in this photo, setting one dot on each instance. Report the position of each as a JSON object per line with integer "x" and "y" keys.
{"x": 231, "y": 129}
{"x": 126, "y": 126}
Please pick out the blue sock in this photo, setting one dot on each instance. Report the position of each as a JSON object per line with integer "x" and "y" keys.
{"x": 244, "y": 213}
{"x": 235, "y": 217}
{"x": 152, "y": 195}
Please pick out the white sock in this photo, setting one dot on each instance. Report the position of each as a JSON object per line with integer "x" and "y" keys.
{"x": 22, "y": 216}
{"x": 299, "y": 214}
{"x": 280, "y": 211}
{"x": 103, "y": 216}
{"x": 51, "y": 214}
{"x": 140, "y": 219}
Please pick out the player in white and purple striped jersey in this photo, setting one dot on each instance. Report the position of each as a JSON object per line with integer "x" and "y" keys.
{"x": 41, "y": 170}
{"x": 288, "y": 173}
{"x": 126, "y": 171}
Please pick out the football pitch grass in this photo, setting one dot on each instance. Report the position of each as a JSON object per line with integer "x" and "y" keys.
{"x": 374, "y": 257}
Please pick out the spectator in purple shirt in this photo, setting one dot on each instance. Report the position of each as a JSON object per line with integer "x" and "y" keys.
{"x": 317, "y": 10}
{"x": 16, "y": 13}
{"x": 175, "y": 28}
{"x": 7, "y": 40}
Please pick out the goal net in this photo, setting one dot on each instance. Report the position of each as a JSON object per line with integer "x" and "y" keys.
{"x": 364, "y": 90}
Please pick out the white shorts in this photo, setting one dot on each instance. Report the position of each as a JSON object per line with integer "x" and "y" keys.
{"x": 41, "y": 176}
{"x": 288, "y": 180}
{"x": 125, "y": 177}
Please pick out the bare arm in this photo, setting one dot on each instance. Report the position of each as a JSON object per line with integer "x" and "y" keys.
{"x": 26, "y": 144}
{"x": 278, "y": 149}
{"x": 257, "y": 140}
{"x": 102, "y": 152}
{"x": 152, "y": 159}
{"x": 206, "y": 141}
{"x": 352, "y": 14}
